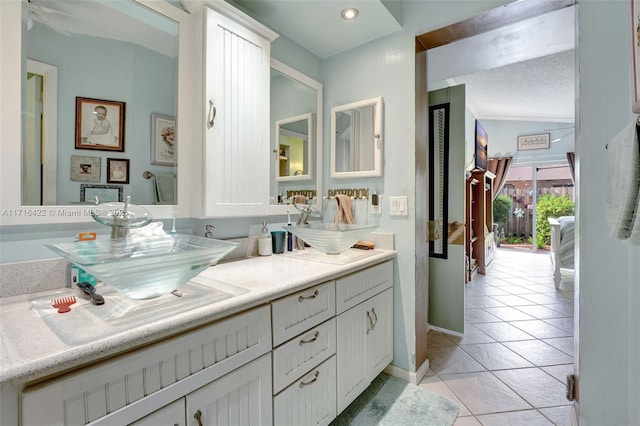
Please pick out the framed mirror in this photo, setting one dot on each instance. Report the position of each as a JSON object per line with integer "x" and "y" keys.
{"x": 356, "y": 139}
{"x": 295, "y": 141}
{"x": 296, "y": 120}
{"x": 438, "y": 180}
{"x": 84, "y": 71}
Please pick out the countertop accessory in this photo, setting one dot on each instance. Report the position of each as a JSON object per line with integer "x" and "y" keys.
{"x": 90, "y": 291}
{"x": 63, "y": 304}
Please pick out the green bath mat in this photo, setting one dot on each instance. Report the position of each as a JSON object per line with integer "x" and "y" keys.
{"x": 391, "y": 401}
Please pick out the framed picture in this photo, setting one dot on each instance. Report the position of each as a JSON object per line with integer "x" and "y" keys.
{"x": 531, "y": 142}
{"x": 117, "y": 170}
{"x": 163, "y": 140}
{"x": 635, "y": 43}
{"x": 85, "y": 169}
{"x": 99, "y": 124}
{"x": 105, "y": 193}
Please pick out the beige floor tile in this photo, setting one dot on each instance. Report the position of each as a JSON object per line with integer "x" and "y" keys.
{"x": 483, "y": 302}
{"x": 507, "y": 313}
{"x": 451, "y": 359}
{"x": 544, "y": 288}
{"x": 565, "y": 344}
{"x": 492, "y": 291}
{"x": 559, "y": 371}
{"x": 539, "y": 353}
{"x": 565, "y": 324}
{"x": 477, "y": 316}
{"x": 534, "y": 385}
{"x": 563, "y": 308}
{"x": 503, "y": 332}
{"x": 515, "y": 418}
{"x": 483, "y": 393}
{"x": 539, "y": 329}
{"x": 437, "y": 386}
{"x": 560, "y": 416}
{"x": 467, "y": 421}
{"x": 540, "y": 312}
{"x": 495, "y": 356}
{"x": 513, "y": 300}
{"x": 541, "y": 298}
{"x": 471, "y": 335}
{"x": 437, "y": 338}
{"x": 517, "y": 289}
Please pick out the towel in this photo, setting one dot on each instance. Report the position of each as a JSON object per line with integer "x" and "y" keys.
{"x": 298, "y": 199}
{"x": 623, "y": 182}
{"x": 164, "y": 188}
{"x": 344, "y": 213}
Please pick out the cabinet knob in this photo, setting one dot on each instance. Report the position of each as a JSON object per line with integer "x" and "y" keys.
{"x": 198, "y": 417}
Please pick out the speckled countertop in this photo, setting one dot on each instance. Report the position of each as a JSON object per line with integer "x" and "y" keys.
{"x": 38, "y": 343}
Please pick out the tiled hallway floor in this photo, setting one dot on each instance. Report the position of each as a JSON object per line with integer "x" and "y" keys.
{"x": 510, "y": 366}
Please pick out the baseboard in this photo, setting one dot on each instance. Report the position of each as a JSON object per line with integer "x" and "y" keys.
{"x": 444, "y": 330}
{"x": 408, "y": 376}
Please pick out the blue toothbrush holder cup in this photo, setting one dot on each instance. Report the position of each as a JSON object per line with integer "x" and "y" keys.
{"x": 277, "y": 241}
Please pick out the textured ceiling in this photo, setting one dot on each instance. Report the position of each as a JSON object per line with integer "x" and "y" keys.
{"x": 541, "y": 89}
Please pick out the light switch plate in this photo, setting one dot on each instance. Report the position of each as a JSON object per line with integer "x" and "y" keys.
{"x": 398, "y": 206}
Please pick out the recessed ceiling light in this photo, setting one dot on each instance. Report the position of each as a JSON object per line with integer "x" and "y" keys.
{"x": 349, "y": 14}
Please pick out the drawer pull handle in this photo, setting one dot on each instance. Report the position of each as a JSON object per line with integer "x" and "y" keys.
{"x": 211, "y": 115}
{"x": 198, "y": 417}
{"x": 315, "y": 377}
{"x": 375, "y": 319}
{"x": 313, "y": 296}
{"x": 370, "y": 325}
{"x": 313, "y": 339}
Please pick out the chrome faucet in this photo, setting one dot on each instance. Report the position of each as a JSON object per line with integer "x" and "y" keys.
{"x": 305, "y": 212}
{"x": 121, "y": 218}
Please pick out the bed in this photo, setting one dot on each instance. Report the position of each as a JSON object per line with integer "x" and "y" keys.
{"x": 562, "y": 245}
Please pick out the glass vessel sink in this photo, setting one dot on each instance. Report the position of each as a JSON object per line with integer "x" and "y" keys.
{"x": 142, "y": 268}
{"x": 330, "y": 238}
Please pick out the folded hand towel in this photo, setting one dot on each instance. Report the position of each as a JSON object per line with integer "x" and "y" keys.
{"x": 344, "y": 213}
{"x": 299, "y": 199}
{"x": 623, "y": 181}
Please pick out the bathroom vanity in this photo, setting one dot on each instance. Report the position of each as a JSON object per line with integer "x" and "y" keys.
{"x": 303, "y": 341}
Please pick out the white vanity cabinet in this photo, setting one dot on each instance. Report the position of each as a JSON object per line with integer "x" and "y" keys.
{"x": 195, "y": 365}
{"x": 304, "y": 372}
{"x": 364, "y": 330}
{"x": 232, "y": 116}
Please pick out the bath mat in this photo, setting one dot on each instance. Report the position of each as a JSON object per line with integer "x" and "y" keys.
{"x": 391, "y": 401}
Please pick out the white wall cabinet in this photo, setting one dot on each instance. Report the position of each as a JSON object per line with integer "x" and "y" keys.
{"x": 233, "y": 114}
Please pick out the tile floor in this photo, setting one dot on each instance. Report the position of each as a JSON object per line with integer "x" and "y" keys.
{"x": 510, "y": 366}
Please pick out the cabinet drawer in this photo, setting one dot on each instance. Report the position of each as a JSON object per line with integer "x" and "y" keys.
{"x": 125, "y": 388}
{"x": 310, "y": 400}
{"x": 360, "y": 286}
{"x": 294, "y": 358}
{"x": 299, "y": 312}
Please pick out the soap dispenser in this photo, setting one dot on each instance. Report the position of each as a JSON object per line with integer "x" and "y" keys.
{"x": 264, "y": 241}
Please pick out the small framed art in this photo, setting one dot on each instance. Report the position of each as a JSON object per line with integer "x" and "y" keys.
{"x": 117, "y": 170}
{"x": 531, "y": 142}
{"x": 105, "y": 193}
{"x": 163, "y": 140}
{"x": 99, "y": 124}
{"x": 85, "y": 169}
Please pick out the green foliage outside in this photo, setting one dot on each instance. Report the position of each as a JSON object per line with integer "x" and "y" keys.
{"x": 501, "y": 209}
{"x": 550, "y": 206}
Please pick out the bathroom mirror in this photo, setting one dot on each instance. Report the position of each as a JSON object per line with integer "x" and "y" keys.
{"x": 123, "y": 57}
{"x": 438, "y": 180}
{"x": 295, "y": 140}
{"x": 356, "y": 139}
{"x": 296, "y": 117}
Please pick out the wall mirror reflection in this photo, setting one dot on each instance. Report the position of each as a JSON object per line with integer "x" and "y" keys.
{"x": 119, "y": 52}
{"x": 295, "y": 142}
{"x": 356, "y": 139}
{"x": 296, "y": 117}
{"x": 438, "y": 180}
